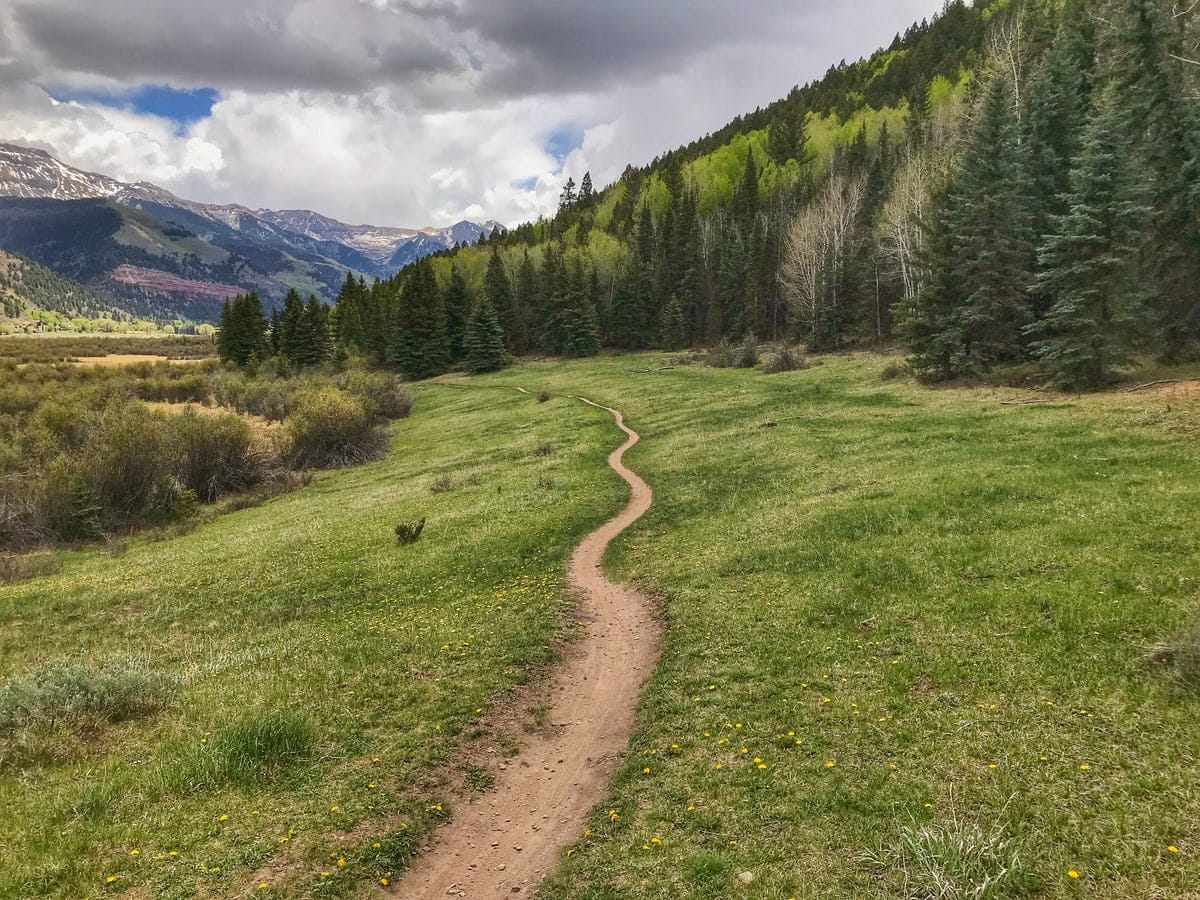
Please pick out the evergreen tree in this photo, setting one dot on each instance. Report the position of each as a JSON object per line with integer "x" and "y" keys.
{"x": 458, "y": 311}
{"x": 242, "y": 333}
{"x": 527, "y": 297}
{"x": 1090, "y": 261}
{"x": 675, "y": 326}
{"x": 586, "y": 191}
{"x": 419, "y": 347}
{"x": 498, "y": 290}
{"x": 313, "y": 339}
{"x": 1163, "y": 128}
{"x": 568, "y": 197}
{"x": 484, "y": 341}
{"x": 291, "y": 328}
{"x": 976, "y": 303}
{"x": 580, "y": 331}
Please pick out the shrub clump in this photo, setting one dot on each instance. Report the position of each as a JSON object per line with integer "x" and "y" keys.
{"x": 409, "y": 532}
{"x": 68, "y": 692}
{"x": 330, "y": 428}
{"x": 891, "y": 372}
{"x": 382, "y": 394}
{"x": 786, "y": 359}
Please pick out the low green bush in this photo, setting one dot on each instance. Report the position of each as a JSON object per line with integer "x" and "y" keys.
{"x": 44, "y": 698}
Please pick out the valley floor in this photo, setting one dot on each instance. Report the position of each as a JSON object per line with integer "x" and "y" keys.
{"x": 907, "y": 633}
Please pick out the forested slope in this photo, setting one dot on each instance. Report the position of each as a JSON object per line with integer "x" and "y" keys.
{"x": 1012, "y": 182}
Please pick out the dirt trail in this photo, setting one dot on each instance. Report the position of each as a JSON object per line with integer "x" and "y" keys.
{"x": 503, "y": 842}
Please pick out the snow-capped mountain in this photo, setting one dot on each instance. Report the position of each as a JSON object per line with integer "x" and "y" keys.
{"x": 31, "y": 173}
{"x": 379, "y": 243}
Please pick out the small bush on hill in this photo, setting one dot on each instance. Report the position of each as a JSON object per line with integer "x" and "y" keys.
{"x": 958, "y": 860}
{"x": 409, "y": 532}
{"x": 747, "y": 355}
{"x": 218, "y": 456}
{"x": 328, "y": 427}
{"x": 786, "y": 359}
{"x": 381, "y": 393}
{"x": 47, "y": 697}
{"x": 721, "y": 356}
{"x": 891, "y": 372}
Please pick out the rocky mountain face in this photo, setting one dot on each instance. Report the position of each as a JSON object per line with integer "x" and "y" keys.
{"x": 168, "y": 257}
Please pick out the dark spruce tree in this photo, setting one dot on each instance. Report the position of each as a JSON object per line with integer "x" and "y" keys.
{"x": 242, "y": 332}
{"x": 419, "y": 348}
{"x": 499, "y": 292}
{"x": 458, "y": 311}
{"x": 1099, "y": 318}
{"x": 484, "y": 342}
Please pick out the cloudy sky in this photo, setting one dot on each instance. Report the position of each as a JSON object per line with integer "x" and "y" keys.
{"x": 404, "y": 112}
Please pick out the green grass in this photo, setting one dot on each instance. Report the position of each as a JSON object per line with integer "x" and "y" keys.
{"x": 322, "y": 672}
{"x": 948, "y": 595}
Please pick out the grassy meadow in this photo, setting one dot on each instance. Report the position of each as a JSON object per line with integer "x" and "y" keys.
{"x": 909, "y": 641}
{"x": 309, "y": 674}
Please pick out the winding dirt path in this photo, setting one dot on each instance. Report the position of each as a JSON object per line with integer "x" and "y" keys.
{"x": 502, "y": 843}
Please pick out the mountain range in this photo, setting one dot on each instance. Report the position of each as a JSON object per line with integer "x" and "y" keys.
{"x": 163, "y": 257}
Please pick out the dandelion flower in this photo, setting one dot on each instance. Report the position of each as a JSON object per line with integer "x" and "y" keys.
{"x": 1072, "y": 874}
{"x": 1172, "y": 849}
{"x": 110, "y": 879}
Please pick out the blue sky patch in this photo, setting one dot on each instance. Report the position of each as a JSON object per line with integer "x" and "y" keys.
{"x": 181, "y": 107}
{"x": 528, "y": 184}
{"x": 563, "y": 139}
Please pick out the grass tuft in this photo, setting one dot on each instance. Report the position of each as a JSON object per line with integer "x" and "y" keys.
{"x": 259, "y": 749}
{"x": 955, "y": 860}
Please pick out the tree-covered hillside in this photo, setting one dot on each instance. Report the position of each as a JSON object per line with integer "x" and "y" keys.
{"x": 33, "y": 295}
{"x": 985, "y": 189}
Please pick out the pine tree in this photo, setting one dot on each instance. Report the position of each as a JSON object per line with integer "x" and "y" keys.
{"x": 484, "y": 341}
{"x": 674, "y": 328}
{"x": 291, "y": 328}
{"x": 419, "y": 347}
{"x": 976, "y": 303}
{"x": 1164, "y": 132}
{"x": 568, "y": 197}
{"x": 527, "y": 297}
{"x": 586, "y": 191}
{"x": 458, "y": 311}
{"x": 314, "y": 340}
{"x": 1099, "y": 317}
{"x": 580, "y": 331}
{"x": 498, "y": 290}
{"x": 242, "y": 334}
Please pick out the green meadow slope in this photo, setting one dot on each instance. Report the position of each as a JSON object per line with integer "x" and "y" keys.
{"x": 907, "y": 634}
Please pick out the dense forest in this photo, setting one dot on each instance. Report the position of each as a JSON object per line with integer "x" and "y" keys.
{"x": 1013, "y": 183}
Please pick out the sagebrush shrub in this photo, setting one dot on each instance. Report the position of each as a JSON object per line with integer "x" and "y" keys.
{"x": 46, "y": 697}
{"x": 381, "y": 393}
